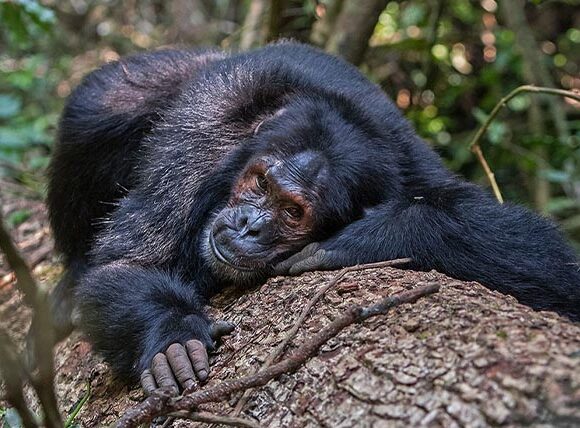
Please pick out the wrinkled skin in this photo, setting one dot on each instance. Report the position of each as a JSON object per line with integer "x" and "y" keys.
{"x": 181, "y": 365}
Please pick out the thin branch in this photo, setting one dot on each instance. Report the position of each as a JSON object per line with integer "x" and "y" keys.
{"x": 154, "y": 406}
{"x": 167, "y": 422}
{"x": 25, "y": 281}
{"x": 300, "y": 321}
{"x": 14, "y": 375}
{"x": 476, "y": 150}
{"x": 474, "y": 144}
{"x": 210, "y": 418}
{"x": 41, "y": 328}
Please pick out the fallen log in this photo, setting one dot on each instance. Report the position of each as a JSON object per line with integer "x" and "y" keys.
{"x": 466, "y": 356}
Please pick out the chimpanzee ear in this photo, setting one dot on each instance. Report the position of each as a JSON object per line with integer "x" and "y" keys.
{"x": 268, "y": 118}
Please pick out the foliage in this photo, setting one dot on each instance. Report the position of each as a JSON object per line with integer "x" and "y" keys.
{"x": 452, "y": 81}
{"x": 27, "y": 112}
{"x": 446, "y": 63}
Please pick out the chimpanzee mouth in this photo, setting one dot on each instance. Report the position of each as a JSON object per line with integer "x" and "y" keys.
{"x": 219, "y": 255}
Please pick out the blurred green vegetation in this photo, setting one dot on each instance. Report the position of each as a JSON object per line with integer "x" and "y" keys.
{"x": 445, "y": 63}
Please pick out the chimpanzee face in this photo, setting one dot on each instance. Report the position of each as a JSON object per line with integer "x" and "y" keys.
{"x": 270, "y": 215}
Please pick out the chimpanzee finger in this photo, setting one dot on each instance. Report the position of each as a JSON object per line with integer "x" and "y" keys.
{"x": 162, "y": 372}
{"x": 221, "y": 328}
{"x": 180, "y": 364}
{"x": 148, "y": 382}
{"x": 198, "y": 357}
{"x": 312, "y": 263}
{"x": 284, "y": 266}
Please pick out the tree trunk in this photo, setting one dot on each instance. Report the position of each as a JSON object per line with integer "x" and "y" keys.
{"x": 254, "y": 32}
{"x": 189, "y": 22}
{"x": 535, "y": 72}
{"x": 354, "y": 27}
{"x": 535, "y": 68}
{"x": 465, "y": 356}
{"x": 274, "y": 17}
{"x": 323, "y": 27}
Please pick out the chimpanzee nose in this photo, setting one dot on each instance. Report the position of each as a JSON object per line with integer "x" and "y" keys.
{"x": 250, "y": 222}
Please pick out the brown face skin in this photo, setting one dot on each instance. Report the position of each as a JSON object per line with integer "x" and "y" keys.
{"x": 270, "y": 215}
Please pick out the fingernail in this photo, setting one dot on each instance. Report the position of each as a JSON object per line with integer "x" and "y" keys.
{"x": 202, "y": 375}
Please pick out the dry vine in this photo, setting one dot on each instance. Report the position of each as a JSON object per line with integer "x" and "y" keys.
{"x": 13, "y": 370}
{"x": 476, "y": 148}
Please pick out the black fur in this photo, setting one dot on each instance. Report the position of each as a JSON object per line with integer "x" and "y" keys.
{"x": 149, "y": 149}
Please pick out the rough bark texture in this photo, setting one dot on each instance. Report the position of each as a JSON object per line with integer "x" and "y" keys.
{"x": 466, "y": 356}
{"x": 354, "y": 28}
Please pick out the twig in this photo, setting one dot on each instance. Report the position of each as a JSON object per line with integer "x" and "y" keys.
{"x": 13, "y": 375}
{"x": 210, "y": 418}
{"x": 290, "y": 335}
{"x": 25, "y": 281}
{"x": 153, "y": 406}
{"x": 474, "y": 144}
{"x": 476, "y": 150}
{"x": 167, "y": 422}
{"x": 41, "y": 327}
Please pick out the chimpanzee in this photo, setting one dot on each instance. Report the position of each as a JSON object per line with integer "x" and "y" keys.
{"x": 178, "y": 173}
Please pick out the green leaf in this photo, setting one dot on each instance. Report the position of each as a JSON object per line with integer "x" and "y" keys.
{"x": 519, "y": 103}
{"x": 18, "y": 217}
{"x": 23, "y": 18}
{"x": 556, "y": 205}
{"x": 39, "y": 162}
{"x": 21, "y": 79}
{"x": 12, "y": 17}
{"x": 496, "y": 132}
{"x": 41, "y": 15}
{"x": 11, "y": 139}
{"x": 555, "y": 176}
{"x": 69, "y": 423}
{"x": 412, "y": 15}
{"x": 12, "y": 419}
{"x": 480, "y": 115}
{"x": 10, "y": 106}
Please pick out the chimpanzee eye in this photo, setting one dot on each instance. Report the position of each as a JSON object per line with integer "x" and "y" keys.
{"x": 294, "y": 212}
{"x": 262, "y": 182}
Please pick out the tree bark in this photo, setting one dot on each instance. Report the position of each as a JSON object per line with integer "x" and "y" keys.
{"x": 465, "y": 356}
{"x": 254, "y": 31}
{"x": 323, "y": 27}
{"x": 274, "y": 17}
{"x": 354, "y": 27}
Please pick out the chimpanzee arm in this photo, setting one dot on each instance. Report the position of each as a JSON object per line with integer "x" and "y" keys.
{"x": 463, "y": 232}
{"x": 134, "y": 316}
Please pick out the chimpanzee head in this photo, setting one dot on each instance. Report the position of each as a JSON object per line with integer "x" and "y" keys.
{"x": 306, "y": 179}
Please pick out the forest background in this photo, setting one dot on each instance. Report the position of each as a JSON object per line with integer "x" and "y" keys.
{"x": 445, "y": 63}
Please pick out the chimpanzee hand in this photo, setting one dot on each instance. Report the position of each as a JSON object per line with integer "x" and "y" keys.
{"x": 180, "y": 364}
{"x": 313, "y": 257}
